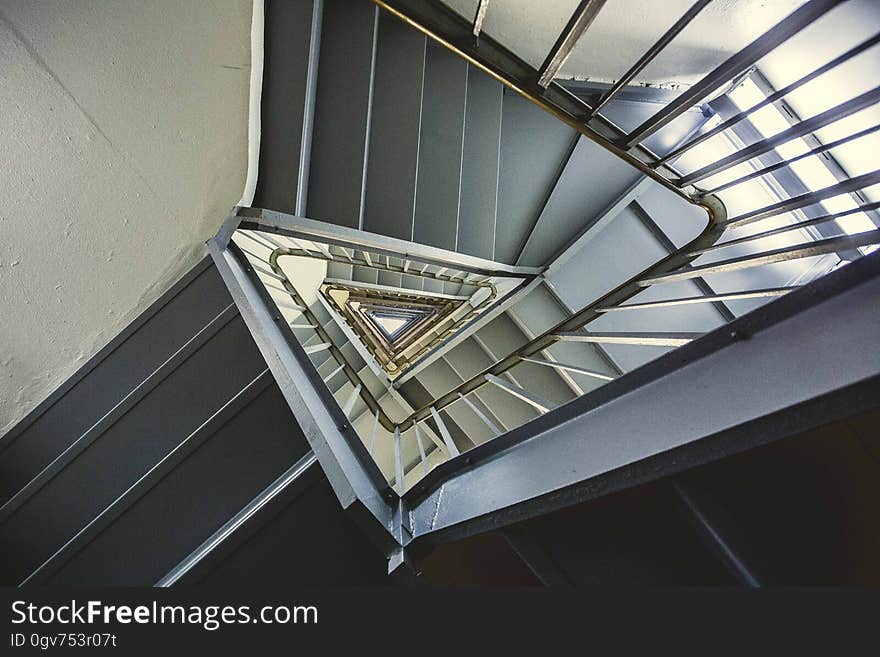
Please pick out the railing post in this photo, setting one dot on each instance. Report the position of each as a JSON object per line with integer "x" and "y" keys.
{"x": 399, "y": 481}
{"x": 421, "y": 448}
{"x": 444, "y": 433}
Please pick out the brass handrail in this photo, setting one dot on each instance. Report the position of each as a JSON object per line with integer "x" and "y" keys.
{"x": 350, "y": 373}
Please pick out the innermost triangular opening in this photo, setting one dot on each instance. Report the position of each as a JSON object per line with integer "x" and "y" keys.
{"x": 396, "y": 326}
{"x": 392, "y": 322}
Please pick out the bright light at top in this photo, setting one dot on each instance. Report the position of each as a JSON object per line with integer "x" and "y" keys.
{"x": 769, "y": 121}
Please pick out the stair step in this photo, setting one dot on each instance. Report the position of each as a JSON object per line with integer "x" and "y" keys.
{"x": 469, "y": 358}
{"x": 439, "y": 379}
{"x": 590, "y": 181}
{"x": 501, "y": 337}
{"x": 342, "y": 108}
{"x": 335, "y": 332}
{"x": 533, "y": 147}
{"x": 284, "y": 157}
{"x": 467, "y": 361}
{"x": 480, "y": 163}
{"x": 339, "y": 270}
{"x": 320, "y": 312}
{"x": 412, "y": 282}
{"x": 383, "y": 453}
{"x": 352, "y": 355}
{"x": 328, "y": 367}
{"x": 440, "y": 148}
{"x": 417, "y": 395}
{"x": 432, "y": 285}
{"x": 344, "y": 397}
{"x": 365, "y": 275}
{"x": 390, "y": 278}
{"x": 394, "y": 129}
{"x": 540, "y": 311}
{"x": 372, "y": 383}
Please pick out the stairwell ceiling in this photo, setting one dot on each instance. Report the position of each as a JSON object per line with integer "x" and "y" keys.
{"x": 624, "y": 29}
{"x": 123, "y": 144}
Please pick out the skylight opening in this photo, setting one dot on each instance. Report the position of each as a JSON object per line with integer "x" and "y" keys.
{"x": 390, "y": 325}
{"x": 393, "y": 323}
{"x": 811, "y": 171}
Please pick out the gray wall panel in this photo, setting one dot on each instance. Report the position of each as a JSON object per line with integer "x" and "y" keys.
{"x": 480, "y": 161}
{"x": 534, "y": 146}
{"x": 194, "y": 500}
{"x": 144, "y": 435}
{"x": 172, "y": 321}
{"x": 394, "y": 130}
{"x": 342, "y": 110}
{"x": 592, "y": 180}
{"x": 440, "y": 147}
{"x": 283, "y": 105}
{"x": 330, "y": 552}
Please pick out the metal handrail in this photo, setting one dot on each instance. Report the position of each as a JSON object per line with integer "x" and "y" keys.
{"x": 515, "y": 74}
{"x": 707, "y": 237}
{"x": 327, "y": 342}
{"x": 446, "y": 27}
{"x": 414, "y": 334}
{"x": 438, "y": 276}
{"x": 469, "y": 41}
{"x": 710, "y": 234}
{"x": 674, "y": 266}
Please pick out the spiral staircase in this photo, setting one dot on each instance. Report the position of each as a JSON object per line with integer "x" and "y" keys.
{"x": 472, "y": 299}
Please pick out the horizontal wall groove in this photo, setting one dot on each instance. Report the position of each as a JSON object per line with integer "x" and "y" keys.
{"x": 41, "y": 409}
{"x": 128, "y": 402}
{"x": 272, "y": 491}
{"x": 151, "y": 478}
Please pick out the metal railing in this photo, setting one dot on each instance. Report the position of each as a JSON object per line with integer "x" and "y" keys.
{"x": 267, "y": 266}
{"x": 674, "y": 267}
{"x": 468, "y": 40}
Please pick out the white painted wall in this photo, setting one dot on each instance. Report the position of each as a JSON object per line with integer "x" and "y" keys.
{"x": 123, "y": 144}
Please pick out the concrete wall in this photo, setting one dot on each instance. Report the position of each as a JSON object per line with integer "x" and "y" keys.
{"x": 123, "y": 144}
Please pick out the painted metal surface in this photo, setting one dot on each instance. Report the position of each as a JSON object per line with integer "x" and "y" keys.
{"x": 441, "y": 140}
{"x": 394, "y": 130}
{"x": 287, "y": 102}
{"x": 337, "y": 179}
{"x": 287, "y": 224}
{"x": 193, "y": 559}
{"x": 580, "y": 22}
{"x": 158, "y": 436}
{"x": 732, "y": 67}
{"x": 807, "y": 336}
{"x": 352, "y": 473}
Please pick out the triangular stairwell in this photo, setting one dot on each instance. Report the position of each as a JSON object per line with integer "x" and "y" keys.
{"x": 396, "y": 327}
